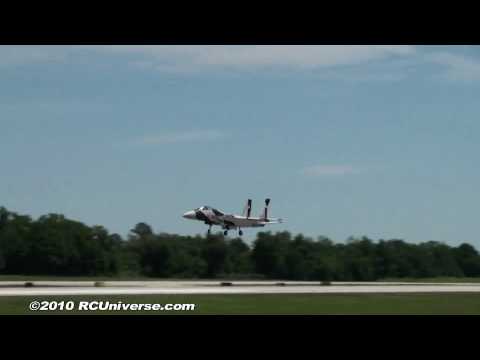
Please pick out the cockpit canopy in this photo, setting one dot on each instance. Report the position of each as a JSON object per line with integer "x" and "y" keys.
{"x": 215, "y": 211}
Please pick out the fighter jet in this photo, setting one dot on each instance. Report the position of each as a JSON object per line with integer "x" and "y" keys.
{"x": 211, "y": 216}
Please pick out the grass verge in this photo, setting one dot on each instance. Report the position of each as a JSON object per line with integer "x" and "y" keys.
{"x": 424, "y": 304}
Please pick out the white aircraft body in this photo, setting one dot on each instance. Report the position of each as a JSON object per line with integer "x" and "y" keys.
{"x": 211, "y": 216}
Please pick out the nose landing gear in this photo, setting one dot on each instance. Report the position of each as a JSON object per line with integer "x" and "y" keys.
{"x": 225, "y": 232}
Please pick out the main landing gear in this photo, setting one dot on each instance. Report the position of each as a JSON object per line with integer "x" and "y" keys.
{"x": 240, "y": 232}
{"x": 209, "y": 230}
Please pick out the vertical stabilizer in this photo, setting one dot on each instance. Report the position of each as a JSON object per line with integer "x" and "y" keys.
{"x": 247, "y": 210}
{"x": 264, "y": 215}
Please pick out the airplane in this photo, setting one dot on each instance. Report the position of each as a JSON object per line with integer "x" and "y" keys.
{"x": 211, "y": 216}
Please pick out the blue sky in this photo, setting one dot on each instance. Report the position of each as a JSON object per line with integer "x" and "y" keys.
{"x": 347, "y": 140}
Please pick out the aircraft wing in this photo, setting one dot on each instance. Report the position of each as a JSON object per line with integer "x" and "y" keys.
{"x": 242, "y": 221}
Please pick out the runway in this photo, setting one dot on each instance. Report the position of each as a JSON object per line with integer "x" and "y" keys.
{"x": 65, "y": 288}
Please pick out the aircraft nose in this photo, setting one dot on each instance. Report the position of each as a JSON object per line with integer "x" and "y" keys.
{"x": 189, "y": 215}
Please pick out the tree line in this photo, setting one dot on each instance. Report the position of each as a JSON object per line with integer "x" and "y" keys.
{"x": 55, "y": 245}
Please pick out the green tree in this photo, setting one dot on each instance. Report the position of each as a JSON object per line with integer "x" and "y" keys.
{"x": 14, "y": 232}
{"x": 239, "y": 257}
{"x": 468, "y": 259}
{"x": 269, "y": 253}
{"x": 142, "y": 230}
{"x": 215, "y": 255}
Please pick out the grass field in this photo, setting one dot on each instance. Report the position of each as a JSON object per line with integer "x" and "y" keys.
{"x": 450, "y": 304}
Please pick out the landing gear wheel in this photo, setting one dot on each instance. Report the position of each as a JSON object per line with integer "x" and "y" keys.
{"x": 240, "y": 232}
{"x": 225, "y": 232}
{"x": 208, "y": 232}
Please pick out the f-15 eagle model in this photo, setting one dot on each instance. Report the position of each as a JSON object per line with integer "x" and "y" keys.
{"x": 211, "y": 216}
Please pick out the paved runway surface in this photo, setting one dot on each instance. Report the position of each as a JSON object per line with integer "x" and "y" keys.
{"x": 42, "y": 288}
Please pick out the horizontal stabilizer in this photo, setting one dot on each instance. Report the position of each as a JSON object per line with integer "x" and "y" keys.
{"x": 273, "y": 221}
